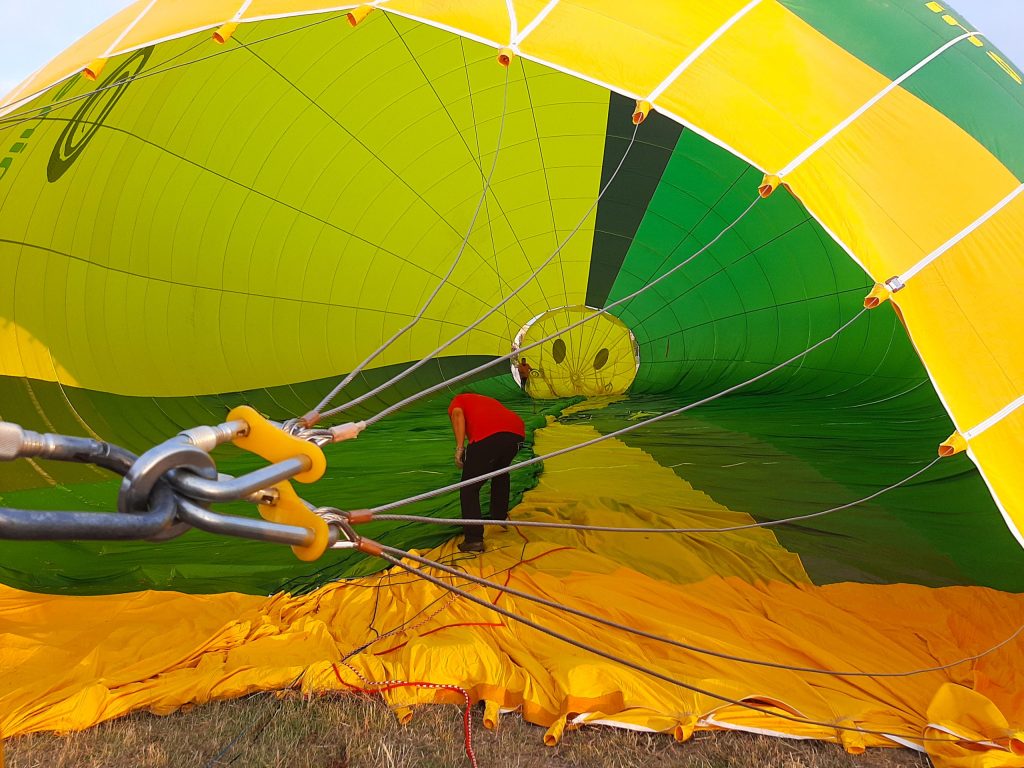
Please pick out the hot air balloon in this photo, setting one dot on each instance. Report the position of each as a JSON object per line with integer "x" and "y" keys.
{"x": 771, "y": 250}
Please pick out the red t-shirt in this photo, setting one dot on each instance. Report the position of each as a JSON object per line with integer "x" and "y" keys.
{"x": 485, "y": 416}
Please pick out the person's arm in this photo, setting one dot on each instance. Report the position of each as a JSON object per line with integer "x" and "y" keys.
{"x": 459, "y": 427}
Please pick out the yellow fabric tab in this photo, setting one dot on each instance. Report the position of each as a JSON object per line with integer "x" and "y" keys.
{"x": 357, "y": 15}
{"x": 94, "y": 69}
{"x": 165, "y": 20}
{"x": 879, "y": 294}
{"x": 274, "y": 444}
{"x": 224, "y": 33}
{"x": 953, "y": 445}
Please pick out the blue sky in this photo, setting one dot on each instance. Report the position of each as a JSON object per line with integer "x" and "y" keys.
{"x": 37, "y": 30}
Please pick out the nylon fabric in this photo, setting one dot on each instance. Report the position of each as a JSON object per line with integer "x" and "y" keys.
{"x": 180, "y": 649}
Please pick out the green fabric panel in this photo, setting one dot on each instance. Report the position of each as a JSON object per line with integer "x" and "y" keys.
{"x": 964, "y": 83}
{"x": 767, "y": 289}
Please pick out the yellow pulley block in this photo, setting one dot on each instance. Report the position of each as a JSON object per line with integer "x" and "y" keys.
{"x": 274, "y": 444}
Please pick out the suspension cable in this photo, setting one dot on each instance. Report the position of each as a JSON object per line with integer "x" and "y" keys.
{"x": 385, "y": 554}
{"x": 434, "y": 353}
{"x": 616, "y": 433}
{"x": 622, "y": 529}
{"x": 444, "y": 281}
{"x": 473, "y": 371}
{"x": 505, "y": 589}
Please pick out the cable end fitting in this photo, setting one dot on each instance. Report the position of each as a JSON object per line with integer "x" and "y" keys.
{"x": 12, "y": 441}
{"x": 952, "y": 445}
{"x": 369, "y": 547}
{"x": 358, "y": 516}
{"x": 505, "y": 56}
{"x": 356, "y": 15}
{"x": 311, "y": 419}
{"x": 348, "y": 431}
{"x": 643, "y": 108}
{"x": 93, "y": 70}
{"x": 224, "y": 32}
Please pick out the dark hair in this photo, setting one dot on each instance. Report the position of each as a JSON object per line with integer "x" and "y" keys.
{"x": 523, "y": 360}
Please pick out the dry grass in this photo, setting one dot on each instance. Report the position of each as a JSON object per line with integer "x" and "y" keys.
{"x": 360, "y": 732}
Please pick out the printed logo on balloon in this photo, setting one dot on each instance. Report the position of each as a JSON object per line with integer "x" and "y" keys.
{"x": 91, "y": 115}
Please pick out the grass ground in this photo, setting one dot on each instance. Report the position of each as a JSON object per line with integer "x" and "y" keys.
{"x": 361, "y": 732}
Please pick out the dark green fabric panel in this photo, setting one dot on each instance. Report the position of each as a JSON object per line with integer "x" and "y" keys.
{"x": 776, "y": 456}
{"x": 623, "y": 205}
{"x": 964, "y": 83}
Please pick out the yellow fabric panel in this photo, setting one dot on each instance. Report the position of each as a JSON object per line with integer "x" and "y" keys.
{"x": 631, "y": 50}
{"x": 884, "y": 185}
{"x": 997, "y": 452}
{"x": 75, "y": 661}
{"x": 769, "y": 88}
{"x": 611, "y": 481}
{"x": 166, "y": 20}
{"x": 957, "y": 312}
{"x": 259, "y": 9}
{"x": 487, "y": 19}
{"x": 77, "y": 55}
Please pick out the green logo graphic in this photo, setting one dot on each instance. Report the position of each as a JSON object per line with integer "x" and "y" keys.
{"x": 90, "y": 116}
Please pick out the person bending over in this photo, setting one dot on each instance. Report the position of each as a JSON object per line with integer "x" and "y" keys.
{"x": 487, "y": 437}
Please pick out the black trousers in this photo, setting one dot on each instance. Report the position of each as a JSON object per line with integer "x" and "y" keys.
{"x": 483, "y": 456}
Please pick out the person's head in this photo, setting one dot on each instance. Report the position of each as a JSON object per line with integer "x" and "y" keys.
{"x": 523, "y": 361}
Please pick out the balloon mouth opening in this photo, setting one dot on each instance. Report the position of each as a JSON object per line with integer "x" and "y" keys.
{"x": 574, "y": 351}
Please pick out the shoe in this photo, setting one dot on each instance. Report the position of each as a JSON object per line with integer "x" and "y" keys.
{"x": 471, "y": 546}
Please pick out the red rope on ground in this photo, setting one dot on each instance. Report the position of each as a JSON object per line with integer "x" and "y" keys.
{"x": 390, "y": 685}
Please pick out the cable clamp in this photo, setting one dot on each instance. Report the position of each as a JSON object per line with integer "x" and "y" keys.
{"x": 340, "y": 521}
{"x": 275, "y": 443}
{"x": 895, "y": 284}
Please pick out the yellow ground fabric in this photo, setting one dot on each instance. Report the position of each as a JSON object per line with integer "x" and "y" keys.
{"x": 70, "y": 662}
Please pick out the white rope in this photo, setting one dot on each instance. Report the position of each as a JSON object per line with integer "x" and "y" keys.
{"x": 117, "y": 41}
{"x": 799, "y": 159}
{"x": 513, "y": 22}
{"x": 528, "y": 29}
{"x": 242, "y": 10}
{"x": 994, "y": 419}
{"x": 462, "y": 249}
{"x": 700, "y": 49}
{"x": 960, "y": 235}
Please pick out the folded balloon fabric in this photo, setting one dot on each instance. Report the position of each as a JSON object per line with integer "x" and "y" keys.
{"x": 71, "y": 662}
